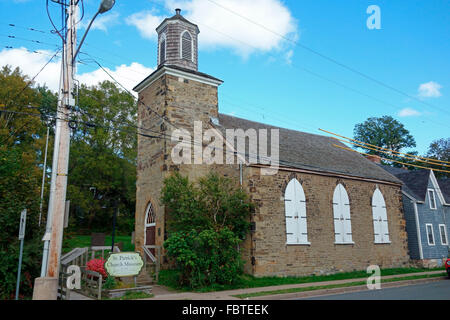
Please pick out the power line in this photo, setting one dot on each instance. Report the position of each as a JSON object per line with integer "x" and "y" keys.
{"x": 415, "y": 158}
{"x": 406, "y": 164}
{"x": 30, "y": 40}
{"x": 25, "y": 28}
{"x": 165, "y": 119}
{"x": 21, "y": 92}
{"x": 332, "y": 60}
{"x": 390, "y": 150}
{"x": 313, "y": 73}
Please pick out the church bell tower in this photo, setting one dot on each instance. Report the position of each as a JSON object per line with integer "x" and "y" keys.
{"x": 178, "y": 42}
{"x": 173, "y": 97}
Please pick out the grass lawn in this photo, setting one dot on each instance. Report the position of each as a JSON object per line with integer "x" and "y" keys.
{"x": 80, "y": 241}
{"x": 169, "y": 278}
{"x": 332, "y": 286}
{"x": 132, "y": 296}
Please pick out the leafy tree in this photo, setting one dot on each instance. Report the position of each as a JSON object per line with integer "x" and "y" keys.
{"x": 103, "y": 156}
{"x": 102, "y": 165}
{"x": 214, "y": 202}
{"x": 21, "y": 142}
{"x": 206, "y": 222}
{"x": 440, "y": 150}
{"x": 388, "y": 133}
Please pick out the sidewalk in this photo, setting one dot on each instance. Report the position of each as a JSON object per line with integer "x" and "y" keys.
{"x": 228, "y": 295}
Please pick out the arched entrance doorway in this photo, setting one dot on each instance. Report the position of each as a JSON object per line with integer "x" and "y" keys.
{"x": 150, "y": 227}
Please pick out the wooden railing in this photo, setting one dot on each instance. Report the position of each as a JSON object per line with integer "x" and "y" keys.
{"x": 91, "y": 281}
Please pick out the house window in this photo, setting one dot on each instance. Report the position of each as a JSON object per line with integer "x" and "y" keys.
{"x": 295, "y": 212}
{"x": 430, "y": 234}
{"x": 380, "y": 222}
{"x": 187, "y": 46}
{"x": 432, "y": 199}
{"x": 162, "y": 49}
{"x": 341, "y": 212}
{"x": 443, "y": 232}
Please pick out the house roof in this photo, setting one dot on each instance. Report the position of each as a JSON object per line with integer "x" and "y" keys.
{"x": 444, "y": 185}
{"x": 415, "y": 182}
{"x": 313, "y": 152}
{"x": 178, "y": 17}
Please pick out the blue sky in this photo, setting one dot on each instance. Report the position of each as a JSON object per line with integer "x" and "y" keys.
{"x": 264, "y": 74}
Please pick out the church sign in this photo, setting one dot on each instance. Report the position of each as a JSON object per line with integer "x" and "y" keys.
{"x": 124, "y": 264}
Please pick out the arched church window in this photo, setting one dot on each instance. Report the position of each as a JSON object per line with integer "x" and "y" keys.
{"x": 341, "y": 213}
{"x": 295, "y": 212}
{"x": 380, "y": 222}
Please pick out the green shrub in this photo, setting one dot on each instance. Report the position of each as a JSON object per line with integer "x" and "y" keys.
{"x": 206, "y": 223}
{"x": 205, "y": 258}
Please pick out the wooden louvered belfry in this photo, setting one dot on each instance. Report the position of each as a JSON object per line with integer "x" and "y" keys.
{"x": 178, "y": 43}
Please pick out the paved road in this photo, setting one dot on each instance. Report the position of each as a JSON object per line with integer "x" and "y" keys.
{"x": 439, "y": 290}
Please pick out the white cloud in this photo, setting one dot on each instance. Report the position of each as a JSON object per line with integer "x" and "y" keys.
{"x": 128, "y": 76}
{"x": 146, "y": 22}
{"x": 234, "y": 31}
{"x": 430, "y": 90}
{"x": 102, "y": 22}
{"x": 408, "y": 112}
{"x": 30, "y": 64}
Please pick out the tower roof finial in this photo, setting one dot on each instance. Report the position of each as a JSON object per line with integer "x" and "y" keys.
{"x": 178, "y": 11}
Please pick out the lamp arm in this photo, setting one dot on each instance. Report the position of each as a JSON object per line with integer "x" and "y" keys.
{"x": 84, "y": 36}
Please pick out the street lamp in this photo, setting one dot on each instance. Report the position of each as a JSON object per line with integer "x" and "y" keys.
{"x": 105, "y": 6}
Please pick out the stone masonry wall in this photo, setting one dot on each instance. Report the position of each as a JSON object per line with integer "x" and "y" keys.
{"x": 274, "y": 258}
{"x": 182, "y": 102}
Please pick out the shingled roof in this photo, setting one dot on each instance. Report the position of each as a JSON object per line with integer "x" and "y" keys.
{"x": 444, "y": 185}
{"x": 415, "y": 183}
{"x": 313, "y": 152}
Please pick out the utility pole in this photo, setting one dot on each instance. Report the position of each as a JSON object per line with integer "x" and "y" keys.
{"x": 67, "y": 103}
{"x": 46, "y": 286}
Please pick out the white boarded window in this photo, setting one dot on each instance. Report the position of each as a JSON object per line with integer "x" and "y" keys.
{"x": 380, "y": 221}
{"x": 162, "y": 49}
{"x": 295, "y": 212}
{"x": 430, "y": 234}
{"x": 443, "y": 232}
{"x": 341, "y": 212}
{"x": 187, "y": 46}
{"x": 432, "y": 199}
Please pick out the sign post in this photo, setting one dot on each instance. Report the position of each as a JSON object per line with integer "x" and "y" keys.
{"x": 23, "y": 220}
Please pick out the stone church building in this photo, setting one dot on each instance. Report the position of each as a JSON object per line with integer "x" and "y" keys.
{"x": 325, "y": 210}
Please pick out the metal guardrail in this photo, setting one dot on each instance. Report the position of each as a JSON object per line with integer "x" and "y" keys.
{"x": 156, "y": 260}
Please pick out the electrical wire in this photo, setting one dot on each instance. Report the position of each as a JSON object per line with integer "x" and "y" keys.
{"x": 406, "y": 164}
{"x": 332, "y": 60}
{"x": 306, "y": 70}
{"x": 371, "y": 145}
{"x": 58, "y": 32}
{"x": 412, "y": 157}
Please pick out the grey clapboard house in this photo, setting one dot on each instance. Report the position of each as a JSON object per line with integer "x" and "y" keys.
{"x": 426, "y": 205}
